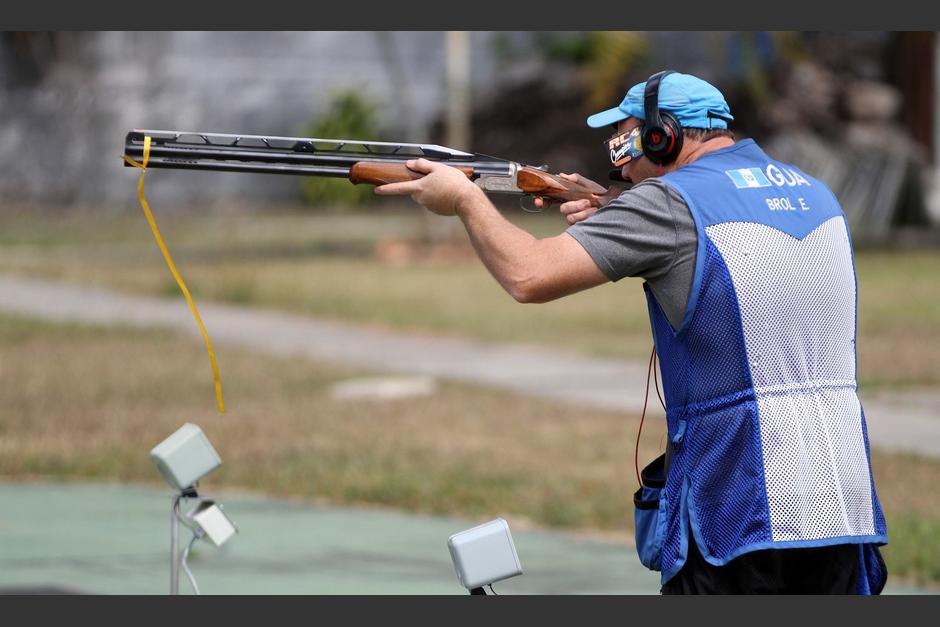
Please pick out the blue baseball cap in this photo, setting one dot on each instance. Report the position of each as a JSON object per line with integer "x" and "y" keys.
{"x": 694, "y": 102}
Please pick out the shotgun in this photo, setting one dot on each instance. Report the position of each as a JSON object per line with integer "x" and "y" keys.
{"x": 362, "y": 162}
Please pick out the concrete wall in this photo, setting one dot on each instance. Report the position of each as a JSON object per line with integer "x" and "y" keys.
{"x": 61, "y": 135}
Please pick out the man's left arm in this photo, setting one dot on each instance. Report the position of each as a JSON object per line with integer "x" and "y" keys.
{"x": 531, "y": 270}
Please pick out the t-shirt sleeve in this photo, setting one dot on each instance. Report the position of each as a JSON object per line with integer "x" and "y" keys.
{"x": 635, "y": 235}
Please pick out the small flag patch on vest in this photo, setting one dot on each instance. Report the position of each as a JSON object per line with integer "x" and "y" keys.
{"x": 748, "y": 177}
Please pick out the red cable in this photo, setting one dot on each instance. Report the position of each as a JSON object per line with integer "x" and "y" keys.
{"x": 646, "y": 397}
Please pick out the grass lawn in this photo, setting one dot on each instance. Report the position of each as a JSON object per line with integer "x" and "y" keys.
{"x": 88, "y": 403}
{"x": 322, "y": 264}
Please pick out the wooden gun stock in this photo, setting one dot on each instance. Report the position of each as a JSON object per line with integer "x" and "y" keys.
{"x": 529, "y": 180}
{"x": 380, "y": 173}
{"x": 553, "y": 188}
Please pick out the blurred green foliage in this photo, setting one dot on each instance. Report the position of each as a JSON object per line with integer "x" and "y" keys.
{"x": 351, "y": 115}
{"x": 607, "y": 56}
{"x": 615, "y": 54}
{"x": 574, "y": 48}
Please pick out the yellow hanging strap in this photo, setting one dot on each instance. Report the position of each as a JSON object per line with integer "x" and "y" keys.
{"x": 176, "y": 275}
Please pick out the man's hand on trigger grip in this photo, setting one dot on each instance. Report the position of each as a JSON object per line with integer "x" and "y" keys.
{"x": 577, "y": 210}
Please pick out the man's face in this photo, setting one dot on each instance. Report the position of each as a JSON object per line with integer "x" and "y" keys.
{"x": 640, "y": 169}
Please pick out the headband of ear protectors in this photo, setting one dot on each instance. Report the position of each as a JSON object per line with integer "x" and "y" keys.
{"x": 662, "y": 132}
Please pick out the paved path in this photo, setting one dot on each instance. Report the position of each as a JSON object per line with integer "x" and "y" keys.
{"x": 896, "y": 422}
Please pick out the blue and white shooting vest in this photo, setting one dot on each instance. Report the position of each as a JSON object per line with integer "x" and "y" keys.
{"x": 771, "y": 447}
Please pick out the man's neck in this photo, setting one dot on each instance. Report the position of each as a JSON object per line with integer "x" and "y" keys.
{"x": 703, "y": 148}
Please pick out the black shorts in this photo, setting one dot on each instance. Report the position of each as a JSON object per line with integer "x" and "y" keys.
{"x": 823, "y": 570}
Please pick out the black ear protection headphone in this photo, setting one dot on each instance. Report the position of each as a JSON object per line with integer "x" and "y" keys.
{"x": 662, "y": 132}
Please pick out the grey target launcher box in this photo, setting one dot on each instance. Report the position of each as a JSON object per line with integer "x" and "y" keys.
{"x": 185, "y": 457}
{"x": 485, "y": 554}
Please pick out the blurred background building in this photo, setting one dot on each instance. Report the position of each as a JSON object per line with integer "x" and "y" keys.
{"x": 857, "y": 109}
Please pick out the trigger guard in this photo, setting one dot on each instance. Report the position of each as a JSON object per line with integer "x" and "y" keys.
{"x": 534, "y": 209}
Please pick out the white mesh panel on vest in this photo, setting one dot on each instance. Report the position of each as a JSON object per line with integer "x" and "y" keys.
{"x": 797, "y": 302}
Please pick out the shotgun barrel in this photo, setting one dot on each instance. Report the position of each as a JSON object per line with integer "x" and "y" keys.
{"x": 359, "y": 161}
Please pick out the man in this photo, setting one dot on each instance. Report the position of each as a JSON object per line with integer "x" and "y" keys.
{"x": 766, "y": 485}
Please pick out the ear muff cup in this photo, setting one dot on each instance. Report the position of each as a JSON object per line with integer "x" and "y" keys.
{"x": 662, "y": 142}
{"x": 662, "y": 132}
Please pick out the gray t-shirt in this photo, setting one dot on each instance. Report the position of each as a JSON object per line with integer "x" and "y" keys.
{"x": 645, "y": 232}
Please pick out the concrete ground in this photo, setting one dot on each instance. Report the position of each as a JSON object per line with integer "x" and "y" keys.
{"x": 112, "y": 539}
{"x": 109, "y": 539}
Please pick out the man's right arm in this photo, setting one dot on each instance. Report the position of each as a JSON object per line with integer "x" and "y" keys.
{"x": 531, "y": 270}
